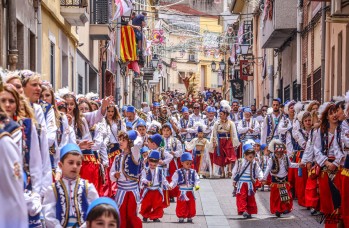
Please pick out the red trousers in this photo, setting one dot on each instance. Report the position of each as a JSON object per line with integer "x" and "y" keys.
{"x": 244, "y": 202}
{"x": 276, "y": 205}
{"x": 152, "y": 205}
{"x": 291, "y": 177}
{"x": 227, "y": 153}
{"x": 90, "y": 171}
{"x": 128, "y": 212}
{"x": 172, "y": 168}
{"x": 345, "y": 197}
{"x": 300, "y": 183}
{"x": 198, "y": 160}
{"x": 311, "y": 194}
{"x": 109, "y": 188}
{"x": 186, "y": 209}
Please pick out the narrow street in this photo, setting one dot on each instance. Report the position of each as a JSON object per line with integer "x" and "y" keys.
{"x": 217, "y": 208}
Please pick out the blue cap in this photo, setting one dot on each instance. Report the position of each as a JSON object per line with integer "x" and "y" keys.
{"x": 141, "y": 123}
{"x": 167, "y": 125}
{"x": 156, "y": 104}
{"x": 130, "y": 109}
{"x": 129, "y": 125}
{"x": 70, "y": 147}
{"x": 286, "y": 102}
{"x": 200, "y": 129}
{"x": 257, "y": 141}
{"x": 277, "y": 99}
{"x": 144, "y": 149}
{"x": 211, "y": 109}
{"x": 247, "y": 110}
{"x": 124, "y": 108}
{"x": 186, "y": 157}
{"x": 185, "y": 109}
{"x": 132, "y": 135}
{"x": 157, "y": 139}
{"x": 154, "y": 154}
{"x": 137, "y": 21}
{"x": 247, "y": 147}
{"x": 263, "y": 146}
{"x": 103, "y": 200}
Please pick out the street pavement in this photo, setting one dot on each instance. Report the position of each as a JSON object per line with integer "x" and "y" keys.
{"x": 215, "y": 207}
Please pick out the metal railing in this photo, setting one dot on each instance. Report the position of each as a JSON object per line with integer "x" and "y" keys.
{"x": 100, "y": 11}
{"x": 74, "y": 3}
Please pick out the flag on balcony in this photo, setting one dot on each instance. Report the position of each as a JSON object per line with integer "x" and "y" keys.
{"x": 123, "y": 8}
{"x": 128, "y": 44}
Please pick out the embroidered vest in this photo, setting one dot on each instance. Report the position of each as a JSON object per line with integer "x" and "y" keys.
{"x": 63, "y": 202}
{"x": 207, "y": 135}
{"x": 275, "y": 168}
{"x": 182, "y": 179}
{"x": 187, "y": 124}
{"x": 46, "y": 107}
{"x": 325, "y": 142}
{"x": 150, "y": 177}
{"x": 11, "y": 126}
{"x": 244, "y": 124}
{"x": 26, "y": 144}
{"x": 127, "y": 165}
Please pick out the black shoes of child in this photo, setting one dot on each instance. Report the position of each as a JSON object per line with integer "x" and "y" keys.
{"x": 278, "y": 214}
{"x": 246, "y": 215}
{"x": 154, "y": 220}
{"x": 181, "y": 220}
{"x": 172, "y": 200}
{"x": 189, "y": 220}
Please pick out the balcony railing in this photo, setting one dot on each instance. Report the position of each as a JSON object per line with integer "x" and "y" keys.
{"x": 100, "y": 11}
{"x": 74, "y": 3}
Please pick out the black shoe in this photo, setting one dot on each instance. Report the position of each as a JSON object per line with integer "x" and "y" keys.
{"x": 145, "y": 220}
{"x": 172, "y": 200}
{"x": 156, "y": 220}
{"x": 286, "y": 212}
{"x": 246, "y": 215}
{"x": 181, "y": 220}
{"x": 278, "y": 214}
{"x": 189, "y": 220}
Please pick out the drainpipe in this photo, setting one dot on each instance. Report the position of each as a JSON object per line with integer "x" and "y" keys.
{"x": 323, "y": 51}
{"x": 118, "y": 48}
{"x": 271, "y": 77}
{"x": 39, "y": 38}
{"x": 13, "y": 51}
{"x": 299, "y": 49}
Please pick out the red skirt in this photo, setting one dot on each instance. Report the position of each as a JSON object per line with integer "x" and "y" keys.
{"x": 300, "y": 184}
{"x": 326, "y": 203}
{"x": 276, "y": 205}
{"x": 345, "y": 197}
{"x": 311, "y": 194}
{"x": 109, "y": 187}
{"x": 90, "y": 170}
{"x": 227, "y": 153}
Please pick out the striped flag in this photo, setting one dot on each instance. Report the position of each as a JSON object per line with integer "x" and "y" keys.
{"x": 128, "y": 44}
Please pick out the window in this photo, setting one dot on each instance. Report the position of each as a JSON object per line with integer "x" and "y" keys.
{"x": 287, "y": 94}
{"x": 72, "y": 75}
{"x": 317, "y": 85}
{"x": 32, "y": 52}
{"x": 52, "y": 64}
{"x": 339, "y": 66}
{"x": 192, "y": 57}
{"x": 180, "y": 76}
{"x": 295, "y": 91}
{"x": 309, "y": 87}
{"x": 80, "y": 84}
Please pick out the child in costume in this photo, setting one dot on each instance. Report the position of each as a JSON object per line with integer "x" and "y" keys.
{"x": 153, "y": 181}
{"x": 67, "y": 200}
{"x": 174, "y": 147}
{"x": 103, "y": 212}
{"x": 281, "y": 201}
{"x": 187, "y": 179}
{"x": 200, "y": 146}
{"x": 125, "y": 172}
{"x": 263, "y": 162}
{"x": 141, "y": 128}
{"x": 245, "y": 174}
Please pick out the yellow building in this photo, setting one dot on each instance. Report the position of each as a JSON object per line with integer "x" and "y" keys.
{"x": 60, "y": 41}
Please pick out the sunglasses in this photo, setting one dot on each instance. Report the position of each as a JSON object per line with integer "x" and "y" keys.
{"x": 153, "y": 160}
{"x": 264, "y": 110}
{"x": 196, "y": 107}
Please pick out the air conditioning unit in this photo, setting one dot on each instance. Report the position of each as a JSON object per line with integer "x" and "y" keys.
{"x": 192, "y": 57}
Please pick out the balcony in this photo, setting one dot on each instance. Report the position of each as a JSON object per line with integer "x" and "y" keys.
{"x": 100, "y": 19}
{"x": 340, "y": 11}
{"x": 279, "y": 23}
{"x": 74, "y": 11}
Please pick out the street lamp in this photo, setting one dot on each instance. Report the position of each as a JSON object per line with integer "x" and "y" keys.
{"x": 244, "y": 49}
{"x": 155, "y": 61}
{"x": 222, "y": 65}
{"x": 213, "y": 66}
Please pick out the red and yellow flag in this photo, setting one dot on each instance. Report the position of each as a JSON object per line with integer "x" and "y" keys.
{"x": 128, "y": 44}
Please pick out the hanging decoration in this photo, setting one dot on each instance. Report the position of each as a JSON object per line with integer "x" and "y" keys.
{"x": 246, "y": 70}
{"x": 158, "y": 37}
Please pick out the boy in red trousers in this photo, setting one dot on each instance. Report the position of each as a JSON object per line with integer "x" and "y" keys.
{"x": 187, "y": 179}
{"x": 281, "y": 201}
{"x": 245, "y": 174}
{"x": 153, "y": 180}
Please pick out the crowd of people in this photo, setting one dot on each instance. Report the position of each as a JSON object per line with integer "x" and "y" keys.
{"x": 80, "y": 161}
